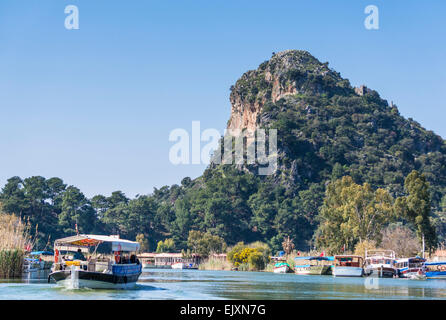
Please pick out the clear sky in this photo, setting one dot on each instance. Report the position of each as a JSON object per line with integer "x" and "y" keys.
{"x": 95, "y": 106}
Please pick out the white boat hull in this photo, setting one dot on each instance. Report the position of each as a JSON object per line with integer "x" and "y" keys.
{"x": 347, "y": 271}
{"x": 283, "y": 269}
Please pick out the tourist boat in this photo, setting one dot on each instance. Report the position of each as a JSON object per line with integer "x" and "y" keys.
{"x": 435, "y": 269}
{"x": 411, "y": 268}
{"x": 380, "y": 263}
{"x": 347, "y": 266}
{"x": 100, "y": 272}
{"x": 37, "y": 260}
{"x": 281, "y": 267}
{"x": 184, "y": 265}
{"x": 313, "y": 265}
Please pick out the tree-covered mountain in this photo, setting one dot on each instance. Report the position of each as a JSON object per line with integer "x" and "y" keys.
{"x": 326, "y": 129}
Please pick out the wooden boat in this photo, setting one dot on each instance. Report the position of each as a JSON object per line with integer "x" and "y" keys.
{"x": 412, "y": 268}
{"x": 435, "y": 269}
{"x": 313, "y": 265}
{"x": 281, "y": 267}
{"x": 95, "y": 273}
{"x": 347, "y": 266}
{"x": 380, "y": 263}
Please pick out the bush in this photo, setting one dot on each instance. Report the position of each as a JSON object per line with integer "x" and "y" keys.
{"x": 249, "y": 257}
{"x": 256, "y": 261}
{"x": 234, "y": 252}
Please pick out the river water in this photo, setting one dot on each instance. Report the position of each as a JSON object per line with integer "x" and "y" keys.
{"x": 198, "y": 284}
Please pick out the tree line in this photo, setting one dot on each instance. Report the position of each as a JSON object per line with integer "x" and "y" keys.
{"x": 222, "y": 208}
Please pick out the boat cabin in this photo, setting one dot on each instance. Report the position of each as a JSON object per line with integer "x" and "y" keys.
{"x": 415, "y": 262}
{"x": 348, "y": 261}
{"x": 314, "y": 260}
{"x": 380, "y": 258}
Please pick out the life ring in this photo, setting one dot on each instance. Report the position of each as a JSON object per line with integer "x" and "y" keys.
{"x": 443, "y": 268}
{"x": 56, "y": 256}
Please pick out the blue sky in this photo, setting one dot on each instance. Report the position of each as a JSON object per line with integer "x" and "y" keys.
{"x": 95, "y": 106}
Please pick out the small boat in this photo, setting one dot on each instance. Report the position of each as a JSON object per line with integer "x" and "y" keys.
{"x": 420, "y": 275}
{"x": 37, "y": 261}
{"x": 436, "y": 269}
{"x": 313, "y": 265}
{"x": 95, "y": 273}
{"x": 411, "y": 268}
{"x": 380, "y": 263}
{"x": 184, "y": 265}
{"x": 347, "y": 266}
{"x": 281, "y": 267}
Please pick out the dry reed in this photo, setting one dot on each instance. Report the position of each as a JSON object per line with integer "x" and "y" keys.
{"x": 14, "y": 239}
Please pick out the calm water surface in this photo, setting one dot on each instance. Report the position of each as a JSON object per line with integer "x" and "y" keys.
{"x": 197, "y": 284}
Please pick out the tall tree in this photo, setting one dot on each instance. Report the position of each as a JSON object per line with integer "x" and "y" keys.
{"x": 353, "y": 213}
{"x": 416, "y": 208}
{"x": 76, "y": 209}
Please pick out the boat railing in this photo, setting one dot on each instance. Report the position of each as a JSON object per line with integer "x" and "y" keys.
{"x": 384, "y": 254}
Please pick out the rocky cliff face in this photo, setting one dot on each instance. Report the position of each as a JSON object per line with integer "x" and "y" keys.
{"x": 326, "y": 128}
{"x": 289, "y": 72}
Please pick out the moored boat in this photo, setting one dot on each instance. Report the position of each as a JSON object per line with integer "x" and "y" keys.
{"x": 412, "y": 268}
{"x": 313, "y": 265}
{"x": 380, "y": 263}
{"x": 74, "y": 271}
{"x": 435, "y": 269}
{"x": 347, "y": 266}
{"x": 184, "y": 265}
{"x": 37, "y": 261}
{"x": 281, "y": 267}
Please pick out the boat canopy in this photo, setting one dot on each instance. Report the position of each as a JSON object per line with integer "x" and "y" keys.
{"x": 411, "y": 260}
{"x": 43, "y": 253}
{"x": 89, "y": 240}
{"x": 435, "y": 263}
{"x": 315, "y": 258}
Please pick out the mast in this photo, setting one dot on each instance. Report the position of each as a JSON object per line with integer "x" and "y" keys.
{"x": 423, "y": 246}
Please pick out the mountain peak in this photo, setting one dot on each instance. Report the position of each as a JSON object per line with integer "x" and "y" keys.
{"x": 288, "y": 72}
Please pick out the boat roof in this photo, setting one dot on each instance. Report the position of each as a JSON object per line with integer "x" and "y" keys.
{"x": 433, "y": 263}
{"x": 347, "y": 256}
{"x": 38, "y": 253}
{"x": 89, "y": 240}
{"x": 379, "y": 254}
{"x": 412, "y": 259}
{"x": 379, "y": 257}
{"x": 315, "y": 258}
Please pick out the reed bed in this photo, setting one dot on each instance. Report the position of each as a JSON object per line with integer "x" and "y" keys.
{"x": 14, "y": 238}
{"x": 215, "y": 264}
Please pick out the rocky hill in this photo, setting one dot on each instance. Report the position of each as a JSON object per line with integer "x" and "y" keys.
{"x": 327, "y": 128}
